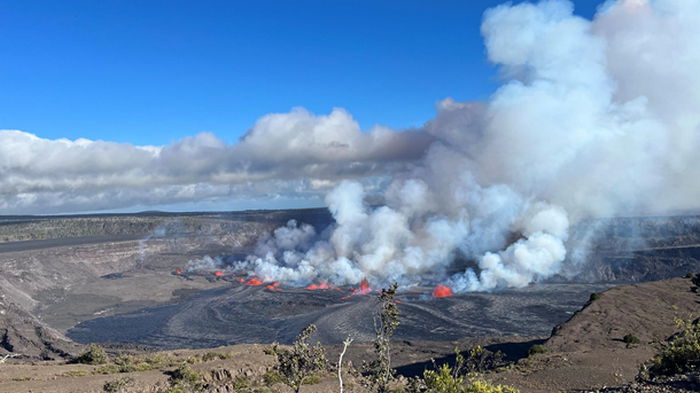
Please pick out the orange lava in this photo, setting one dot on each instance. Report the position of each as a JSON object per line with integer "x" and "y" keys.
{"x": 274, "y": 286}
{"x": 364, "y": 288}
{"x": 442, "y": 291}
{"x": 254, "y": 282}
{"x": 323, "y": 285}
{"x": 241, "y": 280}
{"x": 178, "y": 271}
{"x": 219, "y": 273}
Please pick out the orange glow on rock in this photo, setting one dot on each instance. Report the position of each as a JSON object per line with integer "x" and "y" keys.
{"x": 364, "y": 288}
{"x": 254, "y": 282}
{"x": 178, "y": 271}
{"x": 323, "y": 285}
{"x": 219, "y": 273}
{"x": 274, "y": 286}
{"x": 442, "y": 291}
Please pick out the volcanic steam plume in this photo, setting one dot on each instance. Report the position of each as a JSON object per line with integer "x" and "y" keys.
{"x": 595, "y": 118}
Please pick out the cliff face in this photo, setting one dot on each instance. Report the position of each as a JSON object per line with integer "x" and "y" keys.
{"x": 23, "y": 334}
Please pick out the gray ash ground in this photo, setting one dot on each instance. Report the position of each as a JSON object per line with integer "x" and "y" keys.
{"x": 245, "y": 314}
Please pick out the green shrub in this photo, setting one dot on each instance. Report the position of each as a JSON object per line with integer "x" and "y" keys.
{"x": 682, "y": 353}
{"x": 302, "y": 361}
{"x": 446, "y": 379}
{"x": 209, "y": 356}
{"x": 630, "y": 340}
{"x": 480, "y": 360}
{"x": 536, "y": 349}
{"x": 594, "y": 296}
{"x": 241, "y": 382}
{"x": 128, "y": 364}
{"x": 117, "y": 385}
{"x": 94, "y": 355}
{"x": 272, "y": 377}
{"x": 379, "y": 371}
{"x": 485, "y": 387}
{"x": 184, "y": 376}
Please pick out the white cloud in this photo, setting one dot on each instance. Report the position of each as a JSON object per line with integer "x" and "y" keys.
{"x": 287, "y": 155}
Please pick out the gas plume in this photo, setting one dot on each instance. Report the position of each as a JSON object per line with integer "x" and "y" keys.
{"x": 595, "y": 118}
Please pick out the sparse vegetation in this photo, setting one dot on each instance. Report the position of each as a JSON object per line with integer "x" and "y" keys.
{"x": 594, "y": 296}
{"x": 241, "y": 382}
{"x": 630, "y": 340}
{"x": 485, "y": 387}
{"x": 481, "y": 360}
{"x": 127, "y": 364}
{"x": 184, "y": 379}
{"x": 682, "y": 353}
{"x": 447, "y": 379}
{"x": 296, "y": 365}
{"x": 94, "y": 355}
{"x": 537, "y": 349}
{"x": 272, "y": 377}
{"x": 75, "y": 373}
{"x": 209, "y": 356}
{"x": 117, "y": 385}
{"x": 379, "y": 371}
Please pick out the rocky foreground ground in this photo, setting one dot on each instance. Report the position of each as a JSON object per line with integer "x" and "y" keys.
{"x": 585, "y": 354}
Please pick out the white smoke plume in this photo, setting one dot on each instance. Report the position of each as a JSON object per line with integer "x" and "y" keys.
{"x": 596, "y": 118}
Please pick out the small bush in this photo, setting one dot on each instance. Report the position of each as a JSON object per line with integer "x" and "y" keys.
{"x": 184, "y": 375}
{"x": 128, "y": 364}
{"x": 117, "y": 385}
{"x": 272, "y": 377}
{"x": 630, "y": 340}
{"x": 379, "y": 371}
{"x": 682, "y": 353}
{"x": 241, "y": 382}
{"x": 446, "y": 379}
{"x": 209, "y": 356}
{"x": 21, "y": 379}
{"x": 485, "y": 387}
{"x": 594, "y": 296}
{"x": 301, "y": 362}
{"x": 480, "y": 360}
{"x": 94, "y": 355}
{"x": 536, "y": 349}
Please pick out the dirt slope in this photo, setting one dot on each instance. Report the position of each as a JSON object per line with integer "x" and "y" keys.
{"x": 588, "y": 352}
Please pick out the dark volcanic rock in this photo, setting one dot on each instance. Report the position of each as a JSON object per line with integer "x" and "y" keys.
{"x": 242, "y": 314}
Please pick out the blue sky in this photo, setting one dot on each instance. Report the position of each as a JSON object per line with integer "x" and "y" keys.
{"x": 152, "y": 72}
